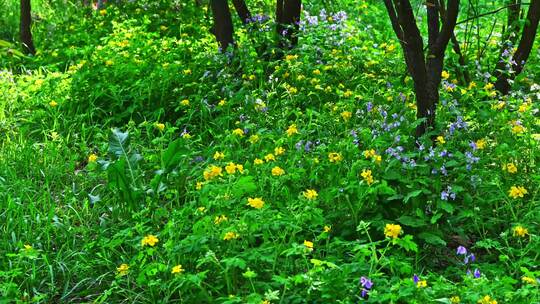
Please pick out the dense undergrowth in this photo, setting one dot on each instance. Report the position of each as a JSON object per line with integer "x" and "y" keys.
{"x": 139, "y": 165}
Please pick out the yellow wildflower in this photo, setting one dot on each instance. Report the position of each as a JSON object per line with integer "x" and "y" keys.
{"x": 277, "y": 171}
{"x": 327, "y": 228}
{"x": 150, "y": 240}
{"x": 346, "y": 115}
{"x": 230, "y": 235}
{"x": 186, "y": 135}
{"x": 230, "y": 168}
{"x": 366, "y": 174}
{"x": 529, "y": 280}
{"x": 177, "y": 269}
{"x": 238, "y": 132}
{"x": 92, "y": 158}
{"x": 160, "y": 126}
{"x": 511, "y": 168}
{"x": 421, "y": 284}
{"x": 292, "y": 130}
{"x": 310, "y": 194}
{"x": 279, "y": 150}
{"x": 392, "y": 230}
{"x": 240, "y": 168}
{"x": 480, "y": 144}
{"x": 269, "y": 157}
{"x": 335, "y": 157}
{"x": 369, "y": 153}
{"x": 517, "y": 127}
{"x": 309, "y": 245}
{"x": 185, "y": 102}
{"x": 220, "y": 219}
{"x": 518, "y": 191}
{"x": 455, "y": 300}
{"x": 472, "y": 85}
{"x": 254, "y": 138}
{"x": 199, "y": 185}
{"x": 378, "y": 159}
{"x": 487, "y": 300}
{"x": 256, "y": 203}
{"x": 445, "y": 75}
{"x": 219, "y": 155}
{"x": 258, "y": 161}
{"x": 212, "y": 172}
{"x": 489, "y": 86}
{"x": 440, "y": 140}
{"x": 123, "y": 269}
{"x": 347, "y": 93}
{"x": 222, "y": 102}
{"x": 53, "y": 103}
{"x": 520, "y": 231}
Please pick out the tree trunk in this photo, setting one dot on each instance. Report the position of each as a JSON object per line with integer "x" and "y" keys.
{"x": 424, "y": 70}
{"x": 242, "y": 11}
{"x": 288, "y": 19}
{"x": 223, "y": 26}
{"x": 523, "y": 51}
{"x": 26, "y": 25}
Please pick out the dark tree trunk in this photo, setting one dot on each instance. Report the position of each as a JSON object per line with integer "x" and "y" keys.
{"x": 26, "y": 25}
{"x": 523, "y": 51}
{"x": 288, "y": 19}
{"x": 242, "y": 11}
{"x": 223, "y": 26}
{"x": 424, "y": 69}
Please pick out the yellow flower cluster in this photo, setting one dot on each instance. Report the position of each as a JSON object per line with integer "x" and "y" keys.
{"x": 520, "y": 231}
{"x": 373, "y": 155}
{"x": 219, "y": 155}
{"x": 277, "y": 171}
{"x": 220, "y": 219}
{"x": 238, "y": 132}
{"x": 335, "y": 157}
{"x": 232, "y": 167}
{"x": 256, "y": 203}
{"x": 366, "y": 175}
{"x": 269, "y": 157}
{"x": 279, "y": 151}
{"x": 123, "y": 269}
{"x": 511, "y": 168}
{"x": 529, "y": 280}
{"x": 230, "y": 236}
{"x": 150, "y": 240}
{"x": 455, "y": 300}
{"x": 346, "y": 115}
{"x": 441, "y": 140}
{"x": 487, "y": 300}
{"x": 92, "y": 158}
{"x": 392, "y": 230}
{"x": 518, "y": 191}
{"x": 177, "y": 269}
{"x": 308, "y": 245}
{"x": 292, "y": 130}
{"x": 212, "y": 172}
{"x": 310, "y": 194}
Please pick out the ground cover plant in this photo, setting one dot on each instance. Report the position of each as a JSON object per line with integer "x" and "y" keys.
{"x": 149, "y": 154}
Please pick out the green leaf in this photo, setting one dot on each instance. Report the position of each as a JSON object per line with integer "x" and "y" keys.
{"x": 412, "y": 221}
{"x": 412, "y": 194}
{"x": 118, "y": 143}
{"x": 243, "y": 186}
{"x": 172, "y": 155}
{"x": 432, "y": 238}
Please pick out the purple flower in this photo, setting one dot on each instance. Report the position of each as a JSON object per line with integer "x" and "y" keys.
{"x": 470, "y": 258}
{"x": 366, "y": 282}
{"x": 461, "y": 250}
{"x": 416, "y": 279}
{"x": 369, "y": 106}
{"x": 477, "y": 273}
